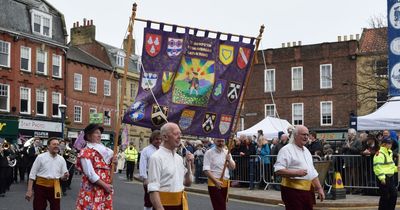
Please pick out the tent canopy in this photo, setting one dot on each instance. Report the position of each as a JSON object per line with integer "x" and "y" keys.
{"x": 386, "y": 117}
{"x": 270, "y": 127}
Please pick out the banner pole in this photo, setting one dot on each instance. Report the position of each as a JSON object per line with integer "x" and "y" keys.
{"x": 235, "y": 127}
{"x": 123, "y": 84}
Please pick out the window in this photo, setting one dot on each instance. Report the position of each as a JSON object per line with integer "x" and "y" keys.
{"x": 107, "y": 87}
{"x": 381, "y": 97}
{"x": 269, "y": 80}
{"x": 326, "y": 112}
{"x": 107, "y": 118}
{"x": 77, "y": 114}
{"x": 297, "y": 114}
{"x": 120, "y": 59}
{"x": 270, "y": 110}
{"x": 77, "y": 81}
{"x": 25, "y": 58}
{"x": 325, "y": 76}
{"x": 41, "y": 23}
{"x": 41, "y": 100}
{"x": 57, "y": 66}
{"x": 132, "y": 90}
{"x": 297, "y": 78}
{"x": 381, "y": 68}
{"x": 4, "y": 97}
{"x": 92, "y": 111}
{"x": 5, "y": 53}
{"x": 93, "y": 85}
{"x": 41, "y": 62}
{"x": 25, "y": 100}
{"x": 56, "y": 99}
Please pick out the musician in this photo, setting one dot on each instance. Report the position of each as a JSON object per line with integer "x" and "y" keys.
{"x": 167, "y": 173}
{"x": 213, "y": 167}
{"x": 70, "y": 157}
{"x": 33, "y": 151}
{"x": 44, "y": 177}
{"x": 6, "y": 171}
{"x": 95, "y": 161}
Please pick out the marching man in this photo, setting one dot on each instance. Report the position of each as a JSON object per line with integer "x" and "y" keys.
{"x": 46, "y": 171}
{"x": 213, "y": 166}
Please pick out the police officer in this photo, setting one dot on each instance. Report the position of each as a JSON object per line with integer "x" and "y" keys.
{"x": 131, "y": 156}
{"x": 384, "y": 169}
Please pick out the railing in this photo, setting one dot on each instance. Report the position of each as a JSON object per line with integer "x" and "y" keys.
{"x": 356, "y": 171}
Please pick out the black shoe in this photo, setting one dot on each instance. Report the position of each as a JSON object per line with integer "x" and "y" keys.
{"x": 68, "y": 187}
{"x": 2, "y": 195}
{"x": 64, "y": 193}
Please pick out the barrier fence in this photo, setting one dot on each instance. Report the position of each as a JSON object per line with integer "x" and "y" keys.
{"x": 356, "y": 171}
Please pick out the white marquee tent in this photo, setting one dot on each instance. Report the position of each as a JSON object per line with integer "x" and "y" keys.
{"x": 270, "y": 126}
{"x": 386, "y": 117}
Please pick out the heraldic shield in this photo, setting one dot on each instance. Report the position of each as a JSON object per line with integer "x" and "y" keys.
{"x": 153, "y": 44}
{"x": 186, "y": 119}
{"x": 225, "y": 123}
{"x": 233, "y": 91}
{"x": 167, "y": 80}
{"x": 159, "y": 115}
{"x": 243, "y": 57}
{"x": 137, "y": 111}
{"x": 174, "y": 47}
{"x": 219, "y": 89}
{"x": 226, "y": 54}
{"x": 209, "y": 122}
{"x": 149, "y": 80}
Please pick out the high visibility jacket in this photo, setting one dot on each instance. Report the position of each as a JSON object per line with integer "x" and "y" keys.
{"x": 131, "y": 154}
{"x": 383, "y": 163}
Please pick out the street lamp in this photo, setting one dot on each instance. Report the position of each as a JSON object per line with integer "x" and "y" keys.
{"x": 62, "y": 108}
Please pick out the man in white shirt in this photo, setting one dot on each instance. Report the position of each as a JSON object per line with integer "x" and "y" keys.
{"x": 155, "y": 141}
{"x": 213, "y": 167}
{"x": 299, "y": 177}
{"x": 167, "y": 173}
{"x": 46, "y": 171}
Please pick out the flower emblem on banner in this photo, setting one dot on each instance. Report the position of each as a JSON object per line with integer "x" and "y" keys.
{"x": 226, "y": 54}
{"x": 153, "y": 44}
{"x": 209, "y": 122}
{"x": 243, "y": 57}
{"x": 174, "y": 47}
{"x": 186, "y": 118}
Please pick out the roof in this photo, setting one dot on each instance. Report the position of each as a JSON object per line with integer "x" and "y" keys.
{"x": 373, "y": 40}
{"x": 79, "y": 55}
{"x": 112, "y": 53}
{"x": 15, "y": 17}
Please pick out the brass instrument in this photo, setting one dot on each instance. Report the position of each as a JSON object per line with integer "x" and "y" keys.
{"x": 5, "y": 146}
{"x": 70, "y": 154}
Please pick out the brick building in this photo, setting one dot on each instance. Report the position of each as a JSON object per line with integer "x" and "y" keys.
{"x": 309, "y": 85}
{"x": 32, "y": 69}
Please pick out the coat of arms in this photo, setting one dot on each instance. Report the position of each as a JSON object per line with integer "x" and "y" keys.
{"x": 243, "y": 57}
{"x": 209, "y": 122}
{"x": 159, "y": 115}
{"x": 174, "y": 47}
{"x": 153, "y": 44}
{"x": 226, "y": 54}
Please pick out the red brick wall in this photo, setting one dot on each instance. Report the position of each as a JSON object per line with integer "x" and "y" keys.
{"x": 309, "y": 57}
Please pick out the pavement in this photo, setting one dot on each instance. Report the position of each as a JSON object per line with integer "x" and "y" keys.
{"x": 273, "y": 197}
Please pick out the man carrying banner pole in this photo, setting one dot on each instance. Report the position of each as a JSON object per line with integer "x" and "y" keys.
{"x": 213, "y": 166}
{"x": 167, "y": 172}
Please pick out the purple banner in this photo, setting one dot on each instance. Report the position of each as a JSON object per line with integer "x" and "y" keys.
{"x": 197, "y": 82}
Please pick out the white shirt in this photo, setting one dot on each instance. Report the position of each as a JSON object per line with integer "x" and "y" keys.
{"x": 166, "y": 171}
{"x": 49, "y": 167}
{"x": 214, "y": 161}
{"x": 87, "y": 166}
{"x": 293, "y": 157}
{"x": 144, "y": 160}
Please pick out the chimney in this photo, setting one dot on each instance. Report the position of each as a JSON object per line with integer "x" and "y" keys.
{"x": 345, "y": 38}
{"x": 351, "y": 37}
{"x": 283, "y": 44}
{"x": 299, "y": 43}
{"x": 357, "y": 37}
{"x": 85, "y": 34}
{"x": 125, "y": 45}
{"x": 288, "y": 44}
{"x": 293, "y": 44}
{"x": 339, "y": 38}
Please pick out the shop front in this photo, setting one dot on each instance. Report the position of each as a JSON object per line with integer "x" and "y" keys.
{"x": 9, "y": 130}
{"x": 38, "y": 128}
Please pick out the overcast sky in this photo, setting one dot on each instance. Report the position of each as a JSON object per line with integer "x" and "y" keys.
{"x": 309, "y": 21}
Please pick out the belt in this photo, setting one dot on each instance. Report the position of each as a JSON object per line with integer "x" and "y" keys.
{"x": 174, "y": 199}
{"x": 225, "y": 183}
{"x": 298, "y": 184}
{"x": 53, "y": 183}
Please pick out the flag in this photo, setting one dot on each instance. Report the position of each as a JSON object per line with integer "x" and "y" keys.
{"x": 197, "y": 81}
{"x": 124, "y": 137}
{"x": 80, "y": 141}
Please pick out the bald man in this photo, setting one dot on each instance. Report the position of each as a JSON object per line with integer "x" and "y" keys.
{"x": 167, "y": 173}
{"x": 299, "y": 177}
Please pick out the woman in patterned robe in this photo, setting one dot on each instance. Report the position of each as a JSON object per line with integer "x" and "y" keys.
{"x": 95, "y": 162}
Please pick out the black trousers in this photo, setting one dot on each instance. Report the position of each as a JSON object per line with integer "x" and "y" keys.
{"x": 130, "y": 167}
{"x": 388, "y": 193}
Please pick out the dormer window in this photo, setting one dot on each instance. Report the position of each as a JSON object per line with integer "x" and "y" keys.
{"x": 120, "y": 59}
{"x": 41, "y": 23}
